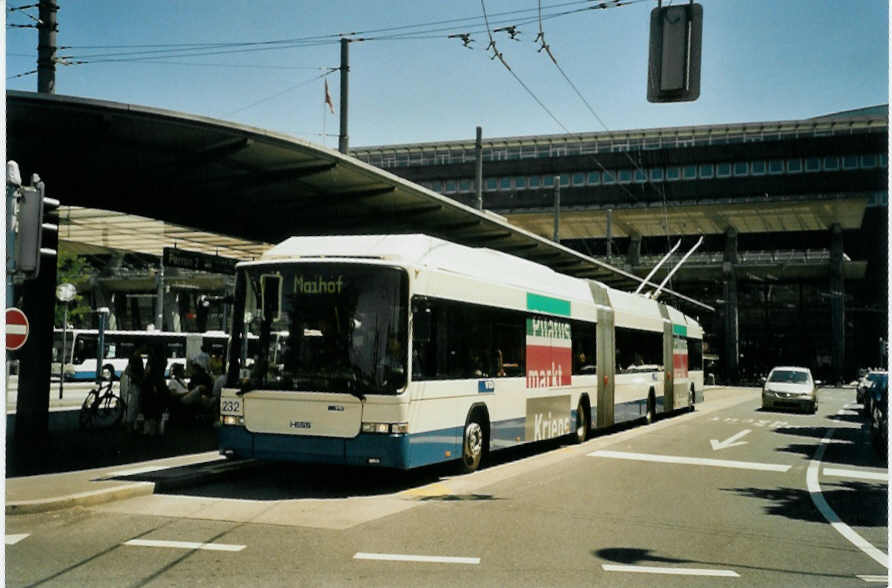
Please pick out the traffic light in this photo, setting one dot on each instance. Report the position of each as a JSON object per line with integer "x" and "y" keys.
{"x": 676, "y": 35}
{"x": 36, "y": 214}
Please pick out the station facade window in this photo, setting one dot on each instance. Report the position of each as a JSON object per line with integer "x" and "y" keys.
{"x": 688, "y": 172}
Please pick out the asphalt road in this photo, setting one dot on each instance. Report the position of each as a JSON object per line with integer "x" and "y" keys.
{"x": 727, "y": 495}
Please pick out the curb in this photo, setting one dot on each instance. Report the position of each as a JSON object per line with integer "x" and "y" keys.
{"x": 214, "y": 471}
{"x": 81, "y": 499}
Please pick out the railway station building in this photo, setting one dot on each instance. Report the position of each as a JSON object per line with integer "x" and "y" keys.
{"x": 793, "y": 215}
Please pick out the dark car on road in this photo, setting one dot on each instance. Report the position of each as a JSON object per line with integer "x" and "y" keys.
{"x": 865, "y": 386}
{"x": 879, "y": 417}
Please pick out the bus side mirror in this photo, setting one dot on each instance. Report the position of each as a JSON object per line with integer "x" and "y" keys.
{"x": 421, "y": 324}
{"x": 271, "y": 296}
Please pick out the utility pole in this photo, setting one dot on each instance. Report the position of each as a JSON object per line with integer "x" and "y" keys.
{"x": 46, "y": 47}
{"x": 343, "y": 137}
{"x": 478, "y": 174}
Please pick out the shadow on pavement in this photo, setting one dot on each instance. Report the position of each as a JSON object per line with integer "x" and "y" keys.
{"x": 80, "y": 450}
{"x": 861, "y": 504}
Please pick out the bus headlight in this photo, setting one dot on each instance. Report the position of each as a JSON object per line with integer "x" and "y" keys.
{"x": 386, "y": 428}
{"x": 232, "y": 420}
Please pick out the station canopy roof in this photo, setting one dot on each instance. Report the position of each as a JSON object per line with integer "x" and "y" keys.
{"x": 232, "y": 189}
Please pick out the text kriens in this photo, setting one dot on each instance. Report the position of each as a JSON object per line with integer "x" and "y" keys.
{"x": 548, "y": 427}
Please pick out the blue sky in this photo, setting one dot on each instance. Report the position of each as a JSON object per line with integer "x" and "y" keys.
{"x": 762, "y": 60}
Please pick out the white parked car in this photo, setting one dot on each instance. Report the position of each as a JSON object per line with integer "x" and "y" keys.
{"x": 790, "y": 387}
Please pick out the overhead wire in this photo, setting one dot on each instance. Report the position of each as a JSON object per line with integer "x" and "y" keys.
{"x": 281, "y": 92}
{"x": 591, "y": 109}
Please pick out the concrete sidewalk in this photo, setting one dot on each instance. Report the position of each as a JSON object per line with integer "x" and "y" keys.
{"x": 31, "y": 494}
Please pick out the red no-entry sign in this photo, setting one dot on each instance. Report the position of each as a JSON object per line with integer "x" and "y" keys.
{"x": 16, "y": 329}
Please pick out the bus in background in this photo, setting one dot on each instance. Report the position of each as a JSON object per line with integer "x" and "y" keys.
{"x": 81, "y": 346}
{"x": 406, "y": 350}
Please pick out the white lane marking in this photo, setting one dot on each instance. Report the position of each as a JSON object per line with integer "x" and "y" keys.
{"x": 184, "y": 545}
{"x": 814, "y": 491}
{"x": 884, "y": 477}
{"x": 418, "y": 558}
{"x": 873, "y": 579}
{"x": 730, "y": 441}
{"x": 718, "y": 463}
{"x": 13, "y": 539}
{"x": 671, "y": 571}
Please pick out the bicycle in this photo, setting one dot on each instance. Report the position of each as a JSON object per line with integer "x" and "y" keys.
{"x": 103, "y": 408}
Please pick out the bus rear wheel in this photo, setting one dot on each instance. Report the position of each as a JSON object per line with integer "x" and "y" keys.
{"x": 472, "y": 447}
{"x": 651, "y": 411}
{"x": 582, "y": 424}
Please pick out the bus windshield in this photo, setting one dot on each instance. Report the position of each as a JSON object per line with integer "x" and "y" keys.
{"x": 323, "y": 327}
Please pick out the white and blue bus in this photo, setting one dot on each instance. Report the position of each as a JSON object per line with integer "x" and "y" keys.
{"x": 81, "y": 349}
{"x": 406, "y": 350}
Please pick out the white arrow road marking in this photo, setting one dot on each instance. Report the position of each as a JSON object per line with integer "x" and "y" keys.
{"x": 730, "y": 441}
{"x": 13, "y": 539}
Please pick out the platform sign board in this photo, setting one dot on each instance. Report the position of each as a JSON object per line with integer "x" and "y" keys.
{"x": 16, "y": 329}
{"x": 195, "y": 260}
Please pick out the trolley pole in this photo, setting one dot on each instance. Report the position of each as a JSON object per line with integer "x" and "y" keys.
{"x": 343, "y": 137}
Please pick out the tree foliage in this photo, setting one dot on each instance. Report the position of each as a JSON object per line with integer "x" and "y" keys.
{"x": 74, "y": 269}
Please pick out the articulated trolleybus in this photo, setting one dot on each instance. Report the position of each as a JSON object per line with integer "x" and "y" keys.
{"x": 406, "y": 350}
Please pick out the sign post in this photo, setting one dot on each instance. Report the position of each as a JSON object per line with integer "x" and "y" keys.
{"x": 65, "y": 293}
